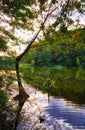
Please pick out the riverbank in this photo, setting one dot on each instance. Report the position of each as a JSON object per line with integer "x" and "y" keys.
{"x": 8, "y": 106}
{"x": 41, "y": 112}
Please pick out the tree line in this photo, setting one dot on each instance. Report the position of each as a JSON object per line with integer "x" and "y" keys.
{"x": 66, "y": 49}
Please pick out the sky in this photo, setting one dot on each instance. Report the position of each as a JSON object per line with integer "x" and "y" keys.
{"x": 24, "y": 35}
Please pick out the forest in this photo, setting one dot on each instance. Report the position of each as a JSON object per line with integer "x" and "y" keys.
{"x": 59, "y": 48}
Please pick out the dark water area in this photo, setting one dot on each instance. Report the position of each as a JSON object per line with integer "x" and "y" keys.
{"x": 63, "y": 93}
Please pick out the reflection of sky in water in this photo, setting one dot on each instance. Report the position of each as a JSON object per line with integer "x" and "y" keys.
{"x": 72, "y": 114}
{"x": 60, "y": 109}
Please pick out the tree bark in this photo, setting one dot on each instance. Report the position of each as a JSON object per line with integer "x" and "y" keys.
{"x": 22, "y": 92}
{"x": 22, "y": 97}
{"x": 18, "y": 59}
{"x": 21, "y": 89}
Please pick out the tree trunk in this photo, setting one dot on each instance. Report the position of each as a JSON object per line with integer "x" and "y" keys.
{"x": 21, "y": 89}
{"x": 18, "y": 59}
{"x": 22, "y": 94}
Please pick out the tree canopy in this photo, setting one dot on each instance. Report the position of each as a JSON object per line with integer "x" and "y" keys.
{"x": 67, "y": 49}
{"x": 24, "y": 14}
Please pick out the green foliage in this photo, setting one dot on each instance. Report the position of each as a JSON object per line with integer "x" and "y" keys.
{"x": 3, "y": 44}
{"x": 20, "y": 12}
{"x": 42, "y": 1}
{"x": 3, "y": 99}
{"x": 61, "y": 47}
{"x": 63, "y": 29}
{"x": 43, "y": 57}
{"x": 1, "y": 79}
{"x": 60, "y": 82}
{"x": 7, "y": 63}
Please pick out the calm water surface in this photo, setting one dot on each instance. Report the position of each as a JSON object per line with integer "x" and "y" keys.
{"x": 68, "y": 86}
{"x": 68, "y": 112}
{"x": 62, "y": 110}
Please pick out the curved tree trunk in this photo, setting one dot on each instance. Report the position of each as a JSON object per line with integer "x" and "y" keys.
{"x": 21, "y": 89}
{"x": 22, "y": 97}
{"x": 18, "y": 59}
{"x": 22, "y": 92}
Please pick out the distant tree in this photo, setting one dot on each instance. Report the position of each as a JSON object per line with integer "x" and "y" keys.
{"x": 24, "y": 14}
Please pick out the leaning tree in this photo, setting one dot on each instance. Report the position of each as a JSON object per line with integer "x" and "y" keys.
{"x": 35, "y": 16}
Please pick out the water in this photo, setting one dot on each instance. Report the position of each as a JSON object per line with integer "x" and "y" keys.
{"x": 62, "y": 104}
{"x": 59, "y": 114}
{"x": 67, "y": 111}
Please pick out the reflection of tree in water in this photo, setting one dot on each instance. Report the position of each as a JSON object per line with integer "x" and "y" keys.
{"x": 20, "y": 105}
{"x": 71, "y": 86}
{"x": 21, "y": 97}
{"x": 31, "y": 112}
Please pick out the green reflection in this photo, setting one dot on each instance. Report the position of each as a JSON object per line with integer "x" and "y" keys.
{"x": 66, "y": 83}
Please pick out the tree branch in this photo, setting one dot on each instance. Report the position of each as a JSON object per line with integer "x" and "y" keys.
{"x": 31, "y": 42}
